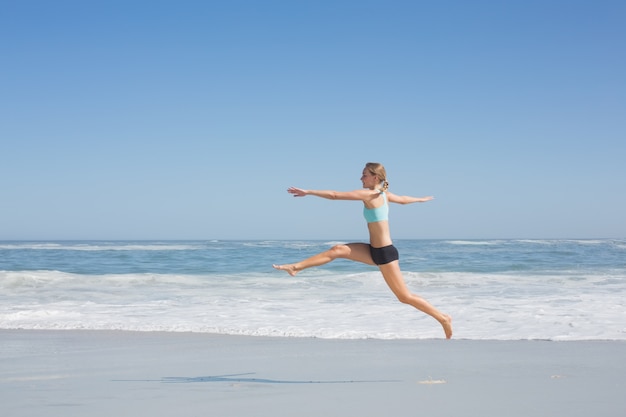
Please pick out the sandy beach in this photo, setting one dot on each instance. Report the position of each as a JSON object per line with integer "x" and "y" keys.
{"x": 102, "y": 373}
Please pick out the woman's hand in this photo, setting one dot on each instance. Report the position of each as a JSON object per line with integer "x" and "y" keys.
{"x": 297, "y": 192}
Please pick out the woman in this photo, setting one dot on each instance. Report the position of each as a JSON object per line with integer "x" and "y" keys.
{"x": 380, "y": 251}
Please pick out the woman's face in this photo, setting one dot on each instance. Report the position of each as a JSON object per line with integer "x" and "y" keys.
{"x": 369, "y": 180}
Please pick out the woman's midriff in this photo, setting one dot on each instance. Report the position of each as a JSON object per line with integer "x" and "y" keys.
{"x": 379, "y": 234}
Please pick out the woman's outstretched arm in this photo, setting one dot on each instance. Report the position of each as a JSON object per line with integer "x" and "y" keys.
{"x": 334, "y": 195}
{"x": 405, "y": 199}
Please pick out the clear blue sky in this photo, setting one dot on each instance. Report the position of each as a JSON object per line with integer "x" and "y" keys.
{"x": 189, "y": 119}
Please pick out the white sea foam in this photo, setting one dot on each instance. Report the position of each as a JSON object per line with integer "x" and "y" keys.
{"x": 484, "y": 306}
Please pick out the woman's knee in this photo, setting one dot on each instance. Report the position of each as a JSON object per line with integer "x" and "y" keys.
{"x": 339, "y": 251}
{"x": 405, "y": 297}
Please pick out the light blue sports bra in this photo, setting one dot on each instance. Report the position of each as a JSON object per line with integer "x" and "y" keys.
{"x": 377, "y": 214}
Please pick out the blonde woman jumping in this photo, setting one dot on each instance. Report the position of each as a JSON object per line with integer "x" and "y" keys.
{"x": 380, "y": 250}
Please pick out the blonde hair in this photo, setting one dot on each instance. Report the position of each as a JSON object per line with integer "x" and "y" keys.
{"x": 378, "y": 169}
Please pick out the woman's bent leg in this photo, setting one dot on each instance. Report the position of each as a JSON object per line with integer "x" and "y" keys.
{"x": 358, "y": 252}
{"x": 393, "y": 277}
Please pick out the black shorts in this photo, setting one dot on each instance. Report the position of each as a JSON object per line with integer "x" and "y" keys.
{"x": 384, "y": 255}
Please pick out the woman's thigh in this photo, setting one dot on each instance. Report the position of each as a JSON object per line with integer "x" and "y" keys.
{"x": 359, "y": 252}
{"x": 394, "y": 279}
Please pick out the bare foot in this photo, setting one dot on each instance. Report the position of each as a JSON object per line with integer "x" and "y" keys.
{"x": 290, "y": 268}
{"x": 447, "y": 326}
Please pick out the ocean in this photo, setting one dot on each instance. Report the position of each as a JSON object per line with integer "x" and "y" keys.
{"x": 493, "y": 289}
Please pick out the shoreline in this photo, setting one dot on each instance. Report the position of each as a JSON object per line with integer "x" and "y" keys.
{"x": 98, "y": 373}
{"x": 190, "y": 333}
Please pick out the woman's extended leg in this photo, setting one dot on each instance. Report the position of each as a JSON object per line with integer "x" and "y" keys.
{"x": 359, "y": 252}
{"x": 393, "y": 277}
